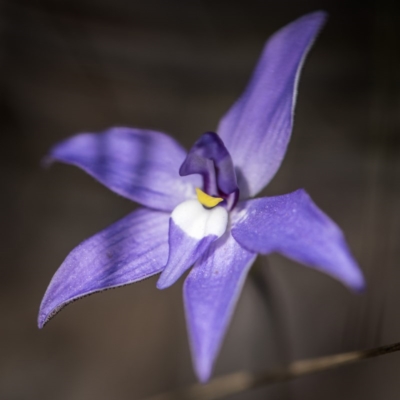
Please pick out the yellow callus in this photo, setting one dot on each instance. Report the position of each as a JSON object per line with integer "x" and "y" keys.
{"x": 206, "y": 200}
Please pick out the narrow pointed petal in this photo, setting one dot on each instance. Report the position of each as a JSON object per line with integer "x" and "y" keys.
{"x": 140, "y": 165}
{"x": 184, "y": 252}
{"x": 295, "y": 227}
{"x": 130, "y": 250}
{"x": 257, "y": 129}
{"x": 210, "y": 158}
{"x": 192, "y": 229}
{"x": 210, "y": 292}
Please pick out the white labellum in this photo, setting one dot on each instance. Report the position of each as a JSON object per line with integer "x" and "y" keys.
{"x": 197, "y": 221}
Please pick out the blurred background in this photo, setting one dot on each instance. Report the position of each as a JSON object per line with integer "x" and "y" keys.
{"x": 176, "y": 66}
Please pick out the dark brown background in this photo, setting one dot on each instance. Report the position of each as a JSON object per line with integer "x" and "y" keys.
{"x": 176, "y": 66}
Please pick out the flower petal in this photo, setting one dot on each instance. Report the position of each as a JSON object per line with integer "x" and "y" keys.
{"x": 138, "y": 164}
{"x": 130, "y": 250}
{"x": 210, "y": 158}
{"x": 257, "y": 128}
{"x": 210, "y": 292}
{"x": 192, "y": 229}
{"x": 294, "y": 226}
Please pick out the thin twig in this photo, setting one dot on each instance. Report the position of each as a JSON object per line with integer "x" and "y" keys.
{"x": 241, "y": 381}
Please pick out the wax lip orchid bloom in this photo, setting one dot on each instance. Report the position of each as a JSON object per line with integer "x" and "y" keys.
{"x": 198, "y": 208}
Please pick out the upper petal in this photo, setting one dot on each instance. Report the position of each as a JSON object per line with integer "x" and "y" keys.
{"x": 294, "y": 226}
{"x": 138, "y": 164}
{"x": 257, "y": 129}
{"x": 130, "y": 250}
{"x": 210, "y": 292}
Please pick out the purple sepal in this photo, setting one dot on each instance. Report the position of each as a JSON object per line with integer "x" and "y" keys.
{"x": 210, "y": 158}
{"x": 257, "y": 128}
{"x": 295, "y": 227}
{"x": 130, "y": 250}
{"x": 138, "y": 164}
{"x": 210, "y": 292}
{"x": 184, "y": 251}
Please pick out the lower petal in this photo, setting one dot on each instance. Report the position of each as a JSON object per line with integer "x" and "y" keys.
{"x": 295, "y": 227}
{"x": 210, "y": 294}
{"x": 130, "y": 250}
{"x": 192, "y": 229}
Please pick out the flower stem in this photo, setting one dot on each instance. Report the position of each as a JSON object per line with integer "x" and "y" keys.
{"x": 239, "y": 382}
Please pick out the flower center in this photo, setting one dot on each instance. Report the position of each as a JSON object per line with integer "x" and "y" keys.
{"x": 207, "y": 200}
{"x": 210, "y": 158}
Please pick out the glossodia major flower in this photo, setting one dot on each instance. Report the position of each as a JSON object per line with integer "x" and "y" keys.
{"x": 197, "y": 207}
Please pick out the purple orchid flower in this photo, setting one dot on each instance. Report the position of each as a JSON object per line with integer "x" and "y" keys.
{"x": 197, "y": 207}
